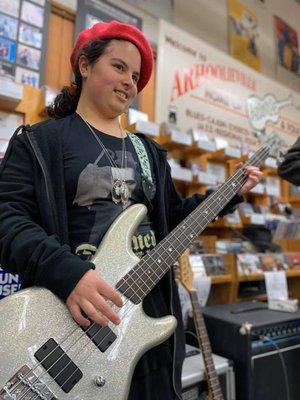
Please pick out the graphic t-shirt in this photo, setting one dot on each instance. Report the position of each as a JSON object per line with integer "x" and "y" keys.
{"x": 89, "y": 178}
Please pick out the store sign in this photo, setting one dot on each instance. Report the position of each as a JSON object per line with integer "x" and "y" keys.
{"x": 8, "y": 283}
{"x": 200, "y": 87}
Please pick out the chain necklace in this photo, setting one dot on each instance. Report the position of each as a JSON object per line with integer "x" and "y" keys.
{"x": 120, "y": 191}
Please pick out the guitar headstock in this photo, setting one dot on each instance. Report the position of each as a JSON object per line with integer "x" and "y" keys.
{"x": 275, "y": 141}
{"x": 186, "y": 274}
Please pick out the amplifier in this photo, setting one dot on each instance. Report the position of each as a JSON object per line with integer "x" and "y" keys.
{"x": 264, "y": 346}
{"x": 193, "y": 376}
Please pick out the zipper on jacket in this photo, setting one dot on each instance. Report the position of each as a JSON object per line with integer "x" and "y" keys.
{"x": 45, "y": 178}
{"x": 175, "y": 340}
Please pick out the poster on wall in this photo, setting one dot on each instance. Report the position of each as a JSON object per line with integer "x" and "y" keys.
{"x": 243, "y": 34}
{"x": 90, "y": 12}
{"x": 23, "y": 34}
{"x": 287, "y": 46}
{"x": 204, "y": 89}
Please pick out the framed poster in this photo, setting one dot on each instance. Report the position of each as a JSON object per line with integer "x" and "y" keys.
{"x": 23, "y": 39}
{"x": 287, "y": 46}
{"x": 243, "y": 34}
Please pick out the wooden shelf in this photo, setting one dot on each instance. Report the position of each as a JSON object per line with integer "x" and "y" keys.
{"x": 269, "y": 171}
{"x": 222, "y": 223}
{"x": 289, "y": 245}
{"x": 218, "y": 279}
{"x": 220, "y": 156}
{"x": 294, "y": 199}
{"x": 250, "y": 277}
{"x": 166, "y": 141}
{"x": 293, "y": 273}
{"x": 31, "y": 106}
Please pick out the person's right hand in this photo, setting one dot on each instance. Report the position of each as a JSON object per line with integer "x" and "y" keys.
{"x": 90, "y": 296}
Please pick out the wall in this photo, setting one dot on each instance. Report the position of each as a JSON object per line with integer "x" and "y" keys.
{"x": 208, "y": 21}
{"x": 150, "y": 23}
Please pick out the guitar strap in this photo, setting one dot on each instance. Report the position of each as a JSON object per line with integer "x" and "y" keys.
{"x": 142, "y": 156}
{"x": 148, "y": 182}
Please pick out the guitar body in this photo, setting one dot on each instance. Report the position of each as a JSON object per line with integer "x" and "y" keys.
{"x": 33, "y": 316}
{"x": 45, "y": 355}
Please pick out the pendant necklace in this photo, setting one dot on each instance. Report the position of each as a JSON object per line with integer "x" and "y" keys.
{"x": 120, "y": 191}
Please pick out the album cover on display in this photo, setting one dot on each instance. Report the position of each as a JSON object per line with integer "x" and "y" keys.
{"x": 7, "y": 50}
{"x": 32, "y": 14}
{"x": 7, "y": 71}
{"x": 30, "y": 35}
{"x": 246, "y": 209}
{"x": 214, "y": 264}
{"x": 23, "y": 34}
{"x": 8, "y": 26}
{"x": 10, "y": 7}
{"x": 273, "y": 262}
{"x": 293, "y": 260}
{"x": 27, "y": 77}
{"x": 248, "y": 264}
{"x": 28, "y": 57}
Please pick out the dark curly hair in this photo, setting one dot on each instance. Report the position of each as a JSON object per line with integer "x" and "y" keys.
{"x": 66, "y": 101}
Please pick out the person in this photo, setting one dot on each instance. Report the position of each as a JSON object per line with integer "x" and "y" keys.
{"x": 289, "y": 166}
{"x": 65, "y": 180}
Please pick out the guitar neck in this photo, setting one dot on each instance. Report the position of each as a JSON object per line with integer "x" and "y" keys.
{"x": 147, "y": 273}
{"x": 204, "y": 344}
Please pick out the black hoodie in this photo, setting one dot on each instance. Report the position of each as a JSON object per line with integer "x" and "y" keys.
{"x": 33, "y": 216}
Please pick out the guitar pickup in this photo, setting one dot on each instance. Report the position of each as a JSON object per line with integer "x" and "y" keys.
{"x": 59, "y": 365}
{"x": 101, "y": 336}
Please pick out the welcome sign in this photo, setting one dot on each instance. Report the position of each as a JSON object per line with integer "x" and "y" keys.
{"x": 199, "y": 87}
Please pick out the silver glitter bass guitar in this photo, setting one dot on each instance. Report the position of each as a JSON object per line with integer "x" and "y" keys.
{"x": 45, "y": 355}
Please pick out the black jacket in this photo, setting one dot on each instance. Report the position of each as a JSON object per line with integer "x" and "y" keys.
{"x": 289, "y": 168}
{"x": 33, "y": 215}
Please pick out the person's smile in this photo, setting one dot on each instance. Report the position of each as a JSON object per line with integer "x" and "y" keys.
{"x": 122, "y": 95}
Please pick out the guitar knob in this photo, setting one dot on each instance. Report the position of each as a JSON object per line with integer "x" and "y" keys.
{"x": 99, "y": 381}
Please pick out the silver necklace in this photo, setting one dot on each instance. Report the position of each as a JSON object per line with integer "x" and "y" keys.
{"x": 120, "y": 191}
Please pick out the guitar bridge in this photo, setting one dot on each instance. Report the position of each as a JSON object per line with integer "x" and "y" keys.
{"x": 23, "y": 385}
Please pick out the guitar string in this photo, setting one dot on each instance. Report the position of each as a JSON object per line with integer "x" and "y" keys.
{"x": 74, "y": 371}
{"x": 241, "y": 172}
{"x": 100, "y": 329}
{"x": 204, "y": 341}
{"x": 72, "y": 374}
{"x": 52, "y": 380}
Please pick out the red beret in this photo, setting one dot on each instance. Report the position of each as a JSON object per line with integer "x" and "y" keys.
{"x": 118, "y": 30}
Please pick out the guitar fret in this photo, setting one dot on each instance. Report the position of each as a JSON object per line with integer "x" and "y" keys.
{"x": 211, "y": 374}
{"x": 159, "y": 259}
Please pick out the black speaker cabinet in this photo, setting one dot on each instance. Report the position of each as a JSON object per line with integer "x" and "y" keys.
{"x": 264, "y": 346}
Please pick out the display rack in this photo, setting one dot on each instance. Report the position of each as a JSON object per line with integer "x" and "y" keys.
{"x": 225, "y": 288}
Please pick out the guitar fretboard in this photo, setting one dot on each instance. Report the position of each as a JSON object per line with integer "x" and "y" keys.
{"x": 204, "y": 344}
{"x": 141, "y": 279}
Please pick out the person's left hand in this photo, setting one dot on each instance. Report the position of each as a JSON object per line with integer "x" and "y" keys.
{"x": 254, "y": 175}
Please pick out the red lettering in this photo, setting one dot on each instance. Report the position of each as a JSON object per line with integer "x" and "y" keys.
{"x": 176, "y": 89}
{"x": 188, "y": 79}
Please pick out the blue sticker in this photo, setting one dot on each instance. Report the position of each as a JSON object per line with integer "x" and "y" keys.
{"x": 7, "y": 50}
{"x": 8, "y": 283}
